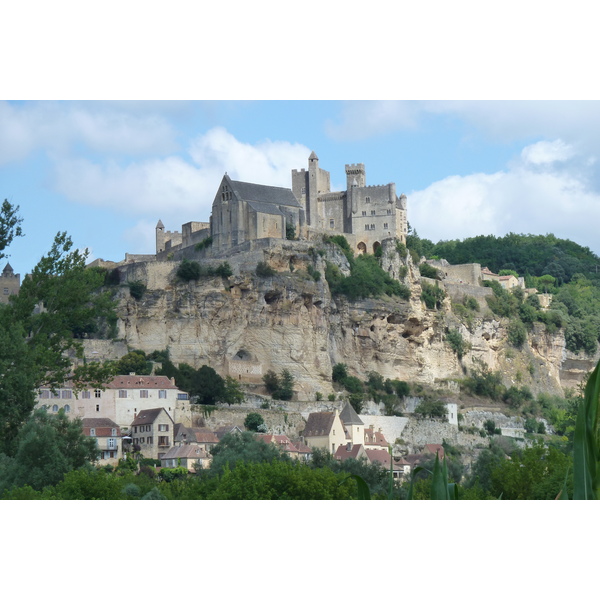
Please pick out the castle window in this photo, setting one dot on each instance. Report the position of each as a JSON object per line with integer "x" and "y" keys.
{"x": 86, "y": 394}
{"x": 364, "y": 213}
{"x": 55, "y": 408}
{"x": 143, "y": 393}
{"x": 389, "y": 211}
{"x": 303, "y": 190}
{"x": 162, "y": 393}
{"x": 372, "y": 213}
{"x": 67, "y": 408}
{"x": 6, "y": 291}
{"x": 66, "y": 394}
{"x": 97, "y": 393}
{"x": 385, "y": 225}
{"x": 372, "y": 225}
{"x": 97, "y": 408}
{"x": 368, "y": 199}
{"x": 122, "y": 393}
{"x": 331, "y": 223}
{"x": 367, "y": 227}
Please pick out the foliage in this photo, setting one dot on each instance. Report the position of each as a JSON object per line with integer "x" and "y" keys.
{"x": 205, "y": 385}
{"x": 339, "y": 372}
{"x": 426, "y": 270}
{"x": 517, "y": 334}
{"x": 137, "y": 290}
{"x": 58, "y": 303}
{"x": 367, "y": 279}
{"x": 136, "y": 362}
{"x": 281, "y": 387}
{"x": 314, "y": 273}
{"x": 432, "y": 295}
{"x": 254, "y": 422}
{"x": 431, "y": 408}
{"x": 483, "y": 382}
{"x": 290, "y": 231}
{"x": 586, "y": 442}
{"x": 264, "y": 270}
{"x": 189, "y": 270}
{"x": 244, "y": 447}
{"x": 282, "y": 480}
{"x": 457, "y": 343}
{"x": 233, "y": 391}
{"x": 10, "y": 226}
{"x": 205, "y": 243}
{"x": 47, "y": 447}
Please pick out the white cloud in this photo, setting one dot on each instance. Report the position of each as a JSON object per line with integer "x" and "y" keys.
{"x": 172, "y": 188}
{"x": 58, "y": 127}
{"x": 521, "y": 199}
{"x": 141, "y": 238}
{"x": 545, "y": 152}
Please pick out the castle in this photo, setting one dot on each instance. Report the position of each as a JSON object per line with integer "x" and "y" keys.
{"x": 244, "y": 211}
{"x": 10, "y": 282}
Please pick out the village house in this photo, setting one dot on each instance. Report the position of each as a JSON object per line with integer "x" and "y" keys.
{"x": 292, "y": 449}
{"x": 152, "y": 432}
{"x": 120, "y": 400}
{"x": 201, "y": 437}
{"x": 190, "y": 456}
{"x": 108, "y": 438}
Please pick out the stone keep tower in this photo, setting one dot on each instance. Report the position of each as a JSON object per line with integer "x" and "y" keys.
{"x": 10, "y": 283}
{"x": 308, "y": 185}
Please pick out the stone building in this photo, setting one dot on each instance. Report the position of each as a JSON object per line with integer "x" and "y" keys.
{"x": 243, "y": 212}
{"x": 10, "y": 283}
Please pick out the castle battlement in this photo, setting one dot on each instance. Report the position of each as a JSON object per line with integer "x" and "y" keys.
{"x": 384, "y": 185}
{"x": 296, "y": 171}
{"x": 356, "y": 166}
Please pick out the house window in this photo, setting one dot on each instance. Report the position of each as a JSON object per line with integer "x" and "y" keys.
{"x": 368, "y": 200}
{"x": 112, "y": 443}
{"x": 97, "y": 393}
{"x": 86, "y": 394}
{"x": 113, "y": 431}
{"x": 92, "y": 431}
{"x": 163, "y": 440}
{"x": 122, "y": 393}
{"x": 331, "y": 223}
{"x": 142, "y": 440}
{"x": 163, "y": 427}
{"x": 150, "y": 440}
{"x": 143, "y": 393}
{"x": 182, "y": 396}
{"x": 97, "y": 408}
{"x": 162, "y": 393}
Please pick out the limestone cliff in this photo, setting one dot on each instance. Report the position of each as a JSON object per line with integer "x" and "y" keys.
{"x": 245, "y": 325}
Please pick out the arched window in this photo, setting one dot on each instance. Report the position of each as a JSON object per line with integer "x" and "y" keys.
{"x": 55, "y": 408}
{"x": 362, "y": 247}
{"x": 67, "y": 408}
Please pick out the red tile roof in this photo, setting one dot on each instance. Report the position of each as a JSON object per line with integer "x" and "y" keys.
{"x": 158, "y": 382}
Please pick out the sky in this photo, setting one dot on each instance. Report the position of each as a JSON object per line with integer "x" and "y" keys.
{"x": 106, "y": 171}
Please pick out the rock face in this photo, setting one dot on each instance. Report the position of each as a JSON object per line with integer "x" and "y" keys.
{"x": 245, "y": 325}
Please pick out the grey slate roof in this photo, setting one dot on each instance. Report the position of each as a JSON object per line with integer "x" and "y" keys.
{"x": 318, "y": 424}
{"x": 349, "y": 416}
{"x": 264, "y": 194}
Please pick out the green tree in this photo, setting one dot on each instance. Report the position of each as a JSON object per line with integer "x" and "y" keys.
{"x": 234, "y": 394}
{"x": 189, "y": 270}
{"x": 58, "y": 304}
{"x": 244, "y": 447}
{"x": 47, "y": 447}
{"x": 253, "y": 421}
{"x": 207, "y": 386}
{"x": 133, "y": 362}
{"x": 10, "y": 226}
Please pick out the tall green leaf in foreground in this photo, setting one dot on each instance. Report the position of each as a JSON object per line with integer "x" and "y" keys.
{"x": 586, "y": 459}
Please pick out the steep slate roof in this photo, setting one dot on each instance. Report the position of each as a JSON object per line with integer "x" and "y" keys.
{"x": 186, "y": 452}
{"x": 264, "y": 194}
{"x": 148, "y": 416}
{"x": 318, "y": 424}
{"x": 7, "y": 269}
{"x": 141, "y": 382}
{"x": 382, "y": 457}
{"x": 349, "y": 416}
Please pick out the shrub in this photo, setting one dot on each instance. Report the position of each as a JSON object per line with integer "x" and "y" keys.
{"x": 517, "y": 333}
{"x": 401, "y": 250}
{"x": 253, "y": 421}
{"x": 136, "y": 289}
{"x": 432, "y": 408}
{"x": 224, "y": 270}
{"x": 189, "y": 270}
{"x": 264, "y": 270}
{"x": 316, "y": 275}
{"x": 457, "y": 343}
{"x": 280, "y": 387}
{"x": 339, "y": 372}
{"x": 432, "y": 295}
{"x": 204, "y": 244}
{"x": 427, "y": 270}
{"x": 290, "y": 231}
{"x": 471, "y": 303}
